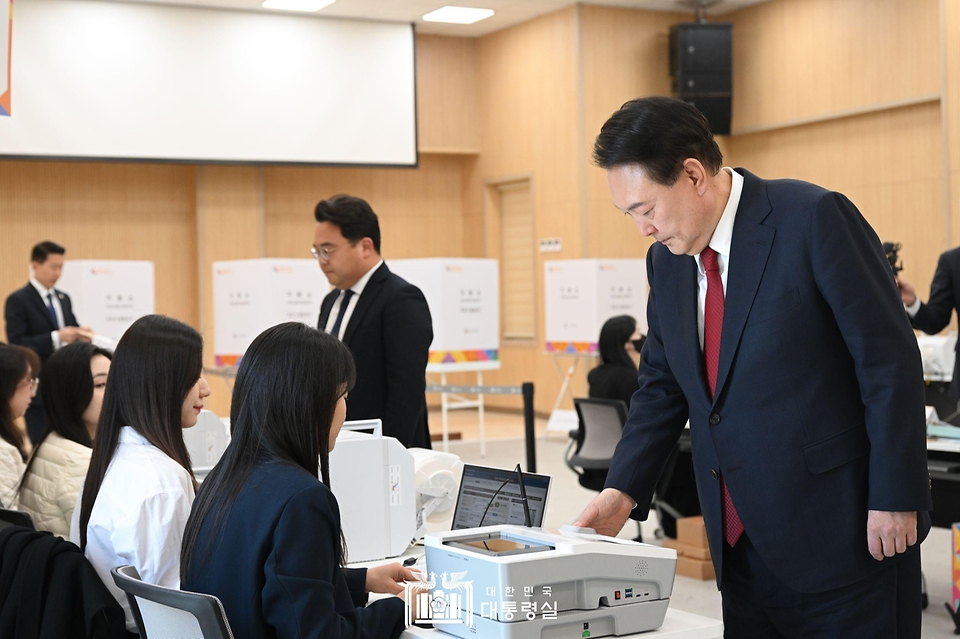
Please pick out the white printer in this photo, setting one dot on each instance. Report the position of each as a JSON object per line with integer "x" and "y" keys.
{"x": 372, "y": 477}
{"x": 512, "y": 582}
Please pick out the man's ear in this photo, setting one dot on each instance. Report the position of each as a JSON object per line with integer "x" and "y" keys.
{"x": 694, "y": 171}
{"x": 367, "y": 245}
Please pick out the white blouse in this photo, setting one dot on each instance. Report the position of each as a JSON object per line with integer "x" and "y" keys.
{"x": 11, "y": 470}
{"x": 138, "y": 517}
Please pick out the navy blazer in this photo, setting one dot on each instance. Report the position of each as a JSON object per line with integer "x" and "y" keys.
{"x": 389, "y": 334}
{"x": 275, "y": 565}
{"x": 818, "y": 415}
{"x": 934, "y": 315}
{"x": 28, "y": 320}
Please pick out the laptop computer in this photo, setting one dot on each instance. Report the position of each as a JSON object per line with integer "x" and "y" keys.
{"x": 491, "y": 496}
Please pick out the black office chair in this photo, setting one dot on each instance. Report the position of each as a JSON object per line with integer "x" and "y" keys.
{"x": 16, "y": 518}
{"x": 166, "y": 613}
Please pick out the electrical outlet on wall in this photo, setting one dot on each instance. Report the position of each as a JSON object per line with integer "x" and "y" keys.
{"x": 550, "y": 245}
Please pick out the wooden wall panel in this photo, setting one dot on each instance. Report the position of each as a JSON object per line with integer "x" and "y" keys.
{"x": 625, "y": 55}
{"x": 448, "y": 117}
{"x": 229, "y": 227}
{"x": 529, "y": 127}
{"x": 101, "y": 210}
{"x": 887, "y": 163}
{"x": 419, "y": 209}
{"x": 950, "y": 15}
{"x": 797, "y": 59}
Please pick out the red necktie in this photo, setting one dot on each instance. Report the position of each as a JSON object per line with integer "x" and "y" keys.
{"x": 712, "y": 327}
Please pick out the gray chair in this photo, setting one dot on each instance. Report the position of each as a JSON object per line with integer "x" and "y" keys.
{"x": 166, "y": 613}
{"x": 16, "y": 518}
{"x": 592, "y": 444}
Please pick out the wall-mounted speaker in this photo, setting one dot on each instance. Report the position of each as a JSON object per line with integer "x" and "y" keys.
{"x": 701, "y": 67}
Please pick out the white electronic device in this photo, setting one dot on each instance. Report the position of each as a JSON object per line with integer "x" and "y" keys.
{"x": 206, "y": 442}
{"x": 939, "y": 354}
{"x": 512, "y": 582}
{"x": 372, "y": 477}
{"x": 437, "y": 478}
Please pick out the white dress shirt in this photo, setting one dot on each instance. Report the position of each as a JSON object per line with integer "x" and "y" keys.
{"x": 914, "y": 308}
{"x": 139, "y": 516}
{"x": 720, "y": 242}
{"x": 43, "y": 290}
{"x": 352, "y": 304}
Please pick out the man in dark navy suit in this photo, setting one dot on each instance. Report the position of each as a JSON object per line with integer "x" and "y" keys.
{"x": 776, "y": 327}
{"x": 382, "y": 318}
{"x": 41, "y": 318}
{"x": 933, "y": 316}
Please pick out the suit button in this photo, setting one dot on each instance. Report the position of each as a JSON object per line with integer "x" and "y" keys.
{"x": 714, "y": 419}
{"x": 713, "y": 473}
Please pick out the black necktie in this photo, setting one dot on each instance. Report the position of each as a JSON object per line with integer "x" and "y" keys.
{"x": 344, "y": 302}
{"x": 51, "y": 310}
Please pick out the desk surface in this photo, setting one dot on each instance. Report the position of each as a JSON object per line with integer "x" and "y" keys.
{"x": 677, "y": 625}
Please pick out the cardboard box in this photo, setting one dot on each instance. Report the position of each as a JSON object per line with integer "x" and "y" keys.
{"x": 695, "y": 568}
{"x": 692, "y": 532}
{"x": 686, "y": 550}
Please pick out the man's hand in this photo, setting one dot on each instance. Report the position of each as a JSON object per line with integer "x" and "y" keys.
{"x": 607, "y": 513}
{"x": 388, "y": 579}
{"x": 889, "y": 533}
{"x": 908, "y": 295}
{"x": 71, "y": 334}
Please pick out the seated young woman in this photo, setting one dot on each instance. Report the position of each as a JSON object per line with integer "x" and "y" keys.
{"x": 72, "y": 386}
{"x": 619, "y": 345}
{"x": 17, "y": 387}
{"x": 138, "y": 491}
{"x": 264, "y": 535}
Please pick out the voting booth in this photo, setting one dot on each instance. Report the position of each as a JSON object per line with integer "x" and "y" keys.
{"x": 108, "y": 295}
{"x": 464, "y": 299}
{"x": 579, "y": 296}
{"x": 250, "y": 296}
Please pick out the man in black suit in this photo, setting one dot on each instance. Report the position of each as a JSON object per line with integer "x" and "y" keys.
{"x": 41, "y": 318}
{"x": 934, "y": 315}
{"x": 776, "y": 327}
{"x": 381, "y": 317}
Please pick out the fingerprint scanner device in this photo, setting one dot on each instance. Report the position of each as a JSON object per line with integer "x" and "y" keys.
{"x": 372, "y": 477}
{"x": 512, "y": 582}
{"x": 490, "y": 496}
{"x": 206, "y": 442}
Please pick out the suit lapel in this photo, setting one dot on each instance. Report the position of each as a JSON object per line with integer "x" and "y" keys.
{"x": 749, "y": 250}
{"x": 41, "y": 305}
{"x": 325, "y": 307}
{"x": 370, "y": 292}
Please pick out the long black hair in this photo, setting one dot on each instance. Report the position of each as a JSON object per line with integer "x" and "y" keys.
{"x": 284, "y": 400}
{"x": 14, "y": 366}
{"x": 66, "y": 387}
{"x": 157, "y": 361}
{"x": 614, "y": 335}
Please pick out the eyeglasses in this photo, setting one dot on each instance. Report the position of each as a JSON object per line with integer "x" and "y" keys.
{"x": 323, "y": 253}
{"x": 33, "y": 383}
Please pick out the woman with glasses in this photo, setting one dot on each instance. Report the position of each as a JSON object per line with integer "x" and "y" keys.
{"x": 138, "y": 491}
{"x": 264, "y": 535}
{"x": 72, "y": 387}
{"x": 18, "y": 385}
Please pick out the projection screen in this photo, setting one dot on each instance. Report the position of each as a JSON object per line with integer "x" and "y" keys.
{"x": 111, "y": 80}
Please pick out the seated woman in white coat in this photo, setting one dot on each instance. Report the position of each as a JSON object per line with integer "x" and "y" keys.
{"x": 72, "y": 386}
{"x": 140, "y": 486}
{"x": 17, "y": 387}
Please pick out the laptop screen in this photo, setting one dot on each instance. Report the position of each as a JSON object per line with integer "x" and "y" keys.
{"x": 491, "y": 496}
